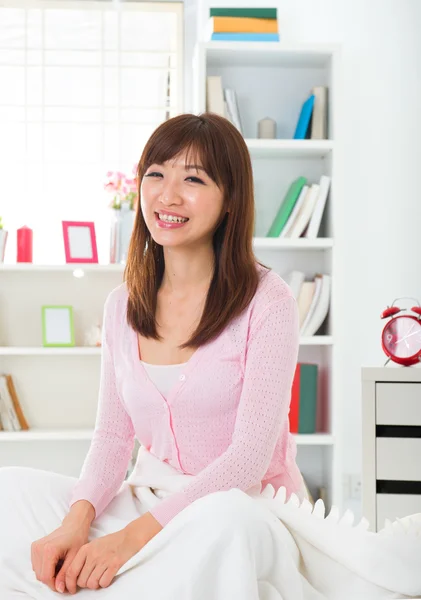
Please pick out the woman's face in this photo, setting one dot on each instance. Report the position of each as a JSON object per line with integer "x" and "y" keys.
{"x": 175, "y": 188}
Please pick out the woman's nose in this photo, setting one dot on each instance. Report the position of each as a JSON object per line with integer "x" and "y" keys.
{"x": 170, "y": 194}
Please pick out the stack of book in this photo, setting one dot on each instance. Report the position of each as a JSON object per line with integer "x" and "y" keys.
{"x": 11, "y": 414}
{"x": 301, "y": 211}
{"x": 313, "y": 299}
{"x": 222, "y": 101}
{"x": 312, "y": 121}
{"x": 243, "y": 25}
{"x": 303, "y": 407}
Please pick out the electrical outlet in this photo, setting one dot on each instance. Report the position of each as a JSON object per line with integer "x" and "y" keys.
{"x": 351, "y": 486}
{"x": 355, "y": 486}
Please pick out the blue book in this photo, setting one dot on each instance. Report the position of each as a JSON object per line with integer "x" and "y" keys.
{"x": 246, "y": 37}
{"x": 304, "y": 120}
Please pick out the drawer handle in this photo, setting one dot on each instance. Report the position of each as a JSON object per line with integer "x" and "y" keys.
{"x": 398, "y": 487}
{"x": 398, "y": 431}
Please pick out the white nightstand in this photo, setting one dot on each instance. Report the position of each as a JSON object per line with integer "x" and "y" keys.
{"x": 391, "y": 417}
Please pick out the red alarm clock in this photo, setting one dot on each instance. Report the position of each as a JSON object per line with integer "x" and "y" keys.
{"x": 401, "y": 336}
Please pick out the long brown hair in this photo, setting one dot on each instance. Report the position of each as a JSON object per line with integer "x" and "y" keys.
{"x": 225, "y": 157}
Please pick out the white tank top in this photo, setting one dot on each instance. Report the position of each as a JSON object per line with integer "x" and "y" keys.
{"x": 163, "y": 377}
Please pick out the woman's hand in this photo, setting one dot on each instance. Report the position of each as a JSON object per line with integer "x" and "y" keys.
{"x": 96, "y": 563}
{"x": 55, "y": 551}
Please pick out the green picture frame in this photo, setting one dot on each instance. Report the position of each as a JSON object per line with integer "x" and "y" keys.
{"x": 57, "y": 326}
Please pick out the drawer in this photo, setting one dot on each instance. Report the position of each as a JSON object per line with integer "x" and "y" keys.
{"x": 395, "y": 506}
{"x": 398, "y": 403}
{"x": 398, "y": 459}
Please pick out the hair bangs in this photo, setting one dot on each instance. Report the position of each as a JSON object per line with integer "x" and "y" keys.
{"x": 197, "y": 144}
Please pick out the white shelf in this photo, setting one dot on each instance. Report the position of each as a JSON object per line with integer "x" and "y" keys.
{"x": 317, "y": 439}
{"x": 259, "y": 148}
{"x": 46, "y": 435}
{"x": 314, "y": 439}
{"x": 259, "y": 243}
{"x": 315, "y": 340}
{"x": 41, "y": 351}
{"x": 91, "y": 267}
{"x": 262, "y": 243}
{"x": 267, "y": 54}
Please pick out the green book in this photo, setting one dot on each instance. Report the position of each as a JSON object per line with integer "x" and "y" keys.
{"x": 308, "y": 398}
{"x": 286, "y": 207}
{"x": 256, "y": 13}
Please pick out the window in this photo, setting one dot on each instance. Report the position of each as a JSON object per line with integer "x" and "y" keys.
{"x": 83, "y": 85}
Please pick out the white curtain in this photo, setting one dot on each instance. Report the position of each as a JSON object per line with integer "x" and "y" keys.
{"x": 82, "y": 86}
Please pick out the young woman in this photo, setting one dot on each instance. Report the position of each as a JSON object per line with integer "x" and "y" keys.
{"x": 199, "y": 349}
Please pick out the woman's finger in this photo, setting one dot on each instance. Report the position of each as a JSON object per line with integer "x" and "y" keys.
{"x": 107, "y": 577}
{"x": 74, "y": 570}
{"x": 61, "y": 575}
{"x": 50, "y": 557}
{"x": 86, "y": 572}
{"x": 93, "y": 580}
{"x": 36, "y": 559}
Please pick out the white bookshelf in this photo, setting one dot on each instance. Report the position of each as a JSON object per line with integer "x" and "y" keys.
{"x": 272, "y": 80}
{"x": 58, "y": 387}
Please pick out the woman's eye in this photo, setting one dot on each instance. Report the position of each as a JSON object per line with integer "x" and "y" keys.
{"x": 152, "y": 174}
{"x": 195, "y": 179}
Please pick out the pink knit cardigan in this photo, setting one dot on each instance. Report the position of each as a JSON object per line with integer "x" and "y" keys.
{"x": 225, "y": 420}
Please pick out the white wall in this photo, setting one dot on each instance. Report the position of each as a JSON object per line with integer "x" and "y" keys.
{"x": 381, "y": 137}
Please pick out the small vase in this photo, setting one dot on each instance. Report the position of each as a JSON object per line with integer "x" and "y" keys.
{"x": 121, "y": 230}
{"x": 3, "y": 240}
{"x": 266, "y": 129}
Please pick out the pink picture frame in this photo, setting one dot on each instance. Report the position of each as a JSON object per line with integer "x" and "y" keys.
{"x": 80, "y": 242}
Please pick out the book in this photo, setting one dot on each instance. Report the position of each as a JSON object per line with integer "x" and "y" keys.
{"x": 293, "y": 216}
{"x": 321, "y": 308}
{"x": 16, "y": 404}
{"x": 295, "y": 280}
{"x": 294, "y": 407}
{"x": 319, "y": 120}
{"x": 308, "y": 398}
{"x": 233, "y": 110}
{"x": 303, "y": 405}
{"x": 241, "y": 25}
{"x": 5, "y": 417}
{"x": 305, "y": 212}
{"x": 215, "y": 95}
{"x": 316, "y": 296}
{"x": 304, "y": 119}
{"x": 316, "y": 218}
{"x": 245, "y": 37}
{"x": 8, "y": 415}
{"x": 258, "y": 13}
{"x": 309, "y": 494}
{"x": 304, "y": 300}
{"x": 322, "y": 494}
{"x": 227, "y": 113}
{"x": 286, "y": 207}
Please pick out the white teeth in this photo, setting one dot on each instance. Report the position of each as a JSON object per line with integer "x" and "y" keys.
{"x": 171, "y": 218}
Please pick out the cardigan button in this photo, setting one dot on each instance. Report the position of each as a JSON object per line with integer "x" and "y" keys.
{"x": 182, "y": 377}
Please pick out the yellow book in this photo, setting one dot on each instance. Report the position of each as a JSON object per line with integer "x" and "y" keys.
{"x": 244, "y": 25}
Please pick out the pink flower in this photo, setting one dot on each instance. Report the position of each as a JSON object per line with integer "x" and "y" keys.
{"x": 122, "y": 187}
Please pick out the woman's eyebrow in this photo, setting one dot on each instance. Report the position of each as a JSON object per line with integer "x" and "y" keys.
{"x": 197, "y": 167}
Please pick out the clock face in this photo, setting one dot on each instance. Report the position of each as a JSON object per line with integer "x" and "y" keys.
{"x": 402, "y": 337}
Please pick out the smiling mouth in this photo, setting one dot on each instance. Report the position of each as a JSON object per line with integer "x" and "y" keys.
{"x": 163, "y": 218}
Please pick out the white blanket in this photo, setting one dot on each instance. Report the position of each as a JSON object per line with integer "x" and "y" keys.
{"x": 225, "y": 546}
{"x": 338, "y": 560}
